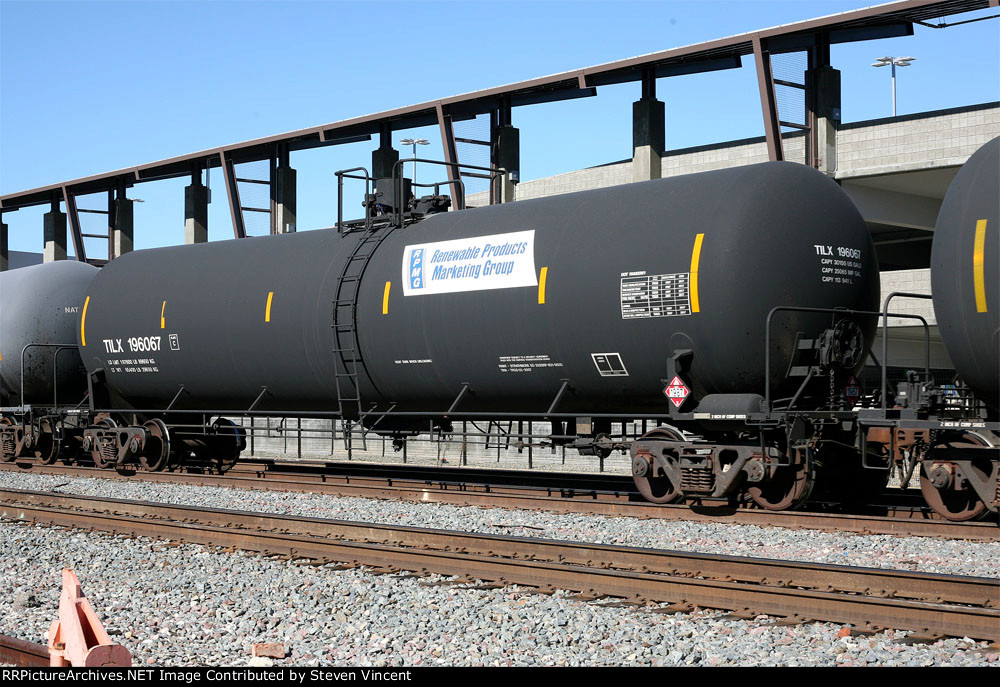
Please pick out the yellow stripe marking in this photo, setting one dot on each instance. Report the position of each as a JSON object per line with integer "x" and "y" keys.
{"x": 385, "y": 298}
{"x": 163, "y": 322}
{"x": 267, "y": 310}
{"x": 541, "y": 285}
{"x": 83, "y": 323}
{"x": 693, "y": 287}
{"x": 978, "y": 265}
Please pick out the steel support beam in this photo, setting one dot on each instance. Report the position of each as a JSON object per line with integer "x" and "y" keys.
{"x": 822, "y": 107}
{"x": 451, "y": 157}
{"x": 196, "y": 199}
{"x": 283, "y": 186}
{"x": 385, "y": 157}
{"x": 74, "y": 224}
{"x": 121, "y": 227}
{"x": 233, "y": 194}
{"x": 768, "y": 103}
{"x": 505, "y": 152}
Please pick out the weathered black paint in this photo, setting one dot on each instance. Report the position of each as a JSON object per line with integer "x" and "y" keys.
{"x": 763, "y": 227}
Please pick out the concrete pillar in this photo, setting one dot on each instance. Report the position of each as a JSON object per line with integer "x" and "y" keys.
{"x": 509, "y": 160}
{"x": 4, "y": 253}
{"x": 55, "y": 234}
{"x": 196, "y": 199}
{"x": 825, "y": 84}
{"x": 283, "y": 202}
{"x": 648, "y": 137}
{"x": 123, "y": 233}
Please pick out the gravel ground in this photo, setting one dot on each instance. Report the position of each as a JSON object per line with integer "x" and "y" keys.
{"x": 179, "y": 604}
{"x": 882, "y": 551}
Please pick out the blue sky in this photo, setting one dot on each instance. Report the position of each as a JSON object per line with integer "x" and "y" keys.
{"x": 88, "y": 87}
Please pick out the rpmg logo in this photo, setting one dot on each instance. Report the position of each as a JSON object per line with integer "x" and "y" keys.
{"x": 417, "y": 268}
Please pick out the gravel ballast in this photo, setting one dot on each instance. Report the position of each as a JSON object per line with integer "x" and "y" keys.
{"x": 881, "y": 551}
{"x": 180, "y": 604}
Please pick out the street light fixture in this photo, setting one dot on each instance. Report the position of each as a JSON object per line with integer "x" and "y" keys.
{"x": 415, "y": 142}
{"x": 894, "y": 62}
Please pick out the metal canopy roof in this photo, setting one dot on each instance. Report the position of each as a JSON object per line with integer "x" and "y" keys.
{"x": 880, "y": 21}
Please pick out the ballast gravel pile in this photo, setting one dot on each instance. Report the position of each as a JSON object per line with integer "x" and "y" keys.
{"x": 179, "y": 604}
{"x": 881, "y": 551}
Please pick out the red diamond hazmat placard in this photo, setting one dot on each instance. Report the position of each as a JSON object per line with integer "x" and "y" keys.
{"x": 676, "y": 391}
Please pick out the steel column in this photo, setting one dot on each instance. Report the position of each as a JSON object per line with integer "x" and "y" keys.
{"x": 120, "y": 222}
{"x": 4, "y": 252}
{"x": 768, "y": 104}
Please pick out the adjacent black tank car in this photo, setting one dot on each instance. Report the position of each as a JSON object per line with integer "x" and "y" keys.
{"x": 965, "y": 274}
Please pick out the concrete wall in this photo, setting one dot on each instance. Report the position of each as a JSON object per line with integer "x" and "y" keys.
{"x": 943, "y": 138}
{"x": 909, "y": 281}
{"x": 936, "y": 139}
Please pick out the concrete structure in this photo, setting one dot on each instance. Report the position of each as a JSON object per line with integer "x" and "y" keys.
{"x": 508, "y": 159}
{"x": 648, "y": 133}
{"x": 826, "y": 86}
{"x": 123, "y": 231}
{"x": 4, "y": 252}
{"x": 17, "y": 259}
{"x": 283, "y": 200}
{"x": 917, "y": 144}
{"x": 54, "y": 223}
{"x": 196, "y": 199}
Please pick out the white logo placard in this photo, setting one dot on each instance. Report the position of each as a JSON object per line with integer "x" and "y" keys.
{"x": 500, "y": 261}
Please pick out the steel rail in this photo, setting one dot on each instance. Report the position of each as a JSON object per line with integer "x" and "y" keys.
{"x": 21, "y": 653}
{"x": 930, "y": 604}
{"x": 591, "y": 502}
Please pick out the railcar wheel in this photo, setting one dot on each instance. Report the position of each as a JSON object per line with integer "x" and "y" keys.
{"x": 951, "y": 497}
{"x": 649, "y": 478}
{"x": 8, "y": 447}
{"x": 104, "y": 454}
{"x": 157, "y": 453}
{"x": 789, "y": 485}
{"x": 47, "y": 446}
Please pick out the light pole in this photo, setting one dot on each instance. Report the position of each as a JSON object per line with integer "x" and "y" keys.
{"x": 894, "y": 62}
{"x": 415, "y": 142}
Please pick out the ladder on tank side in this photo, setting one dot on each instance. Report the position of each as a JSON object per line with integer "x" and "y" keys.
{"x": 348, "y": 361}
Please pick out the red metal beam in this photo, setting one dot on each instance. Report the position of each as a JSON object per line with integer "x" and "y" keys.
{"x": 768, "y": 104}
{"x": 451, "y": 157}
{"x": 74, "y": 224}
{"x": 233, "y": 194}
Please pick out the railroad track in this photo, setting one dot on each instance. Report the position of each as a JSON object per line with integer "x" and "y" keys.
{"x": 18, "y": 652}
{"x": 928, "y": 604}
{"x": 428, "y": 489}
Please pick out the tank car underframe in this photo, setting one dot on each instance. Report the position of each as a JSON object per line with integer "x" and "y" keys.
{"x": 852, "y": 457}
{"x": 772, "y": 459}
